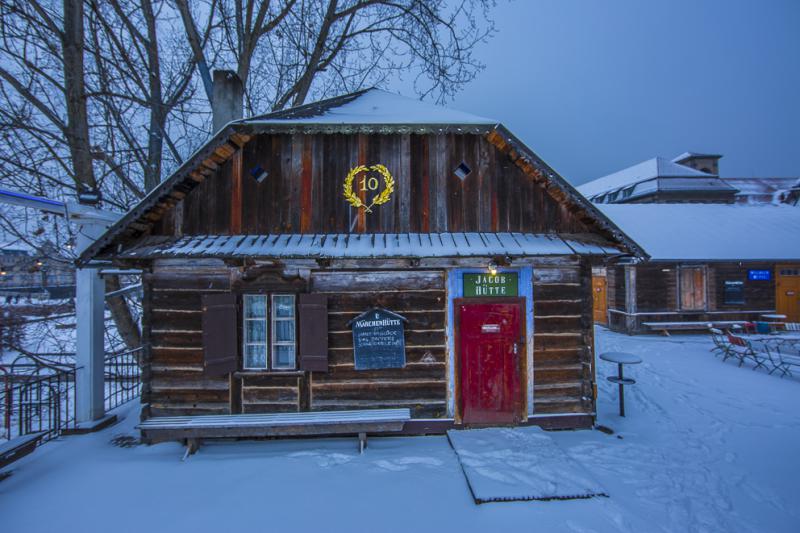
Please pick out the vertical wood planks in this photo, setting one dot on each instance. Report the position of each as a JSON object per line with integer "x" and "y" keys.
{"x": 236, "y": 193}
{"x": 361, "y": 215}
{"x": 306, "y": 192}
{"x": 302, "y": 192}
{"x": 403, "y": 180}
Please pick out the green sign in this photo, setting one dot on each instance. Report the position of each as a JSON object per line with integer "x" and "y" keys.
{"x": 488, "y": 285}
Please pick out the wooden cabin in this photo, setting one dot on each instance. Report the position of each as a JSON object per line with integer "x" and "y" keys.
{"x": 286, "y": 237}
{"x": 709, "y": 264}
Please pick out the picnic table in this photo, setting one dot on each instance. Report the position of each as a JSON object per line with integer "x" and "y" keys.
{"x": 787, "y": 341}
{"x": 621, "y": 358}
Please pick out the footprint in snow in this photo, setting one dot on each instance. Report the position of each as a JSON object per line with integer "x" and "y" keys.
{"x": 325, "y": 459}
{"x": 404, "y": 463}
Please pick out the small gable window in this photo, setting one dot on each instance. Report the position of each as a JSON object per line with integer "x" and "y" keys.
{"x": 462, "y": 171}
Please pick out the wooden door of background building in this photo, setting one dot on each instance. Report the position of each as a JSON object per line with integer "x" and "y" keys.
{"x": 491, "y": 341}
{"x": 787, "y": 291}
{"x": 599, "y": 285}
{"x": 692, "y": 287}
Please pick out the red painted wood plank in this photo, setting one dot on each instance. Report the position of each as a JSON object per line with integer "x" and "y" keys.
{"x": 425, "y": 196}
{"x": 306, "y": 205}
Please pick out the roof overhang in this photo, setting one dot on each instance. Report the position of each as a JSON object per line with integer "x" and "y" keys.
{"x": 366, "y": 246}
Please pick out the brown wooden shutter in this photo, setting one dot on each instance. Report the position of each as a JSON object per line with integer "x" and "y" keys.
{"x": 220, "y": 334}
{"x": 313, "y": 316}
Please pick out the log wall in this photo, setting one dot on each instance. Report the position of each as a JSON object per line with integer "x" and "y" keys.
{"x": 422, "y": 385}
{"x": 563, "y": 355}
{"x": 174, "y": 382}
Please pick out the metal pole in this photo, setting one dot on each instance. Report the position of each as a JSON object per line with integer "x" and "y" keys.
{"x": 89, "y": 308}
{"x": 621, "y": 391}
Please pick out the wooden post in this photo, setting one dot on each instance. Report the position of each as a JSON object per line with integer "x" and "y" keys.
{"x": 630, "y": 299}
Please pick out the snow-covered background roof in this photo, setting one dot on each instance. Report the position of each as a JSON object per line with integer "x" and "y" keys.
{"x": 710, "y": 231}
{"x": 688, "y": 155}
{"x": 658, "y": 167}
{"x": 372, "y": 106}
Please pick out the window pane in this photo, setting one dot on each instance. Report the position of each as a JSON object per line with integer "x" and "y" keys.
{"x": 284, "y": 331}
{"x": 255, "y": 356}
{"x": 255, "y": 306}
{"x": 283, "y": 356}
{"x": 255, "y": 331}
{"x": 283, "y": 306}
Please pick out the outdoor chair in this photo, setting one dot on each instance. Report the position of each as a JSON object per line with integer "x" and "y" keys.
{"x": 720, "y": 342}
{"x": 792, "y": 326}
{"x": 775, "y": 359}
{"x": 785, "y": 361}
{"x": 742, "y": 350}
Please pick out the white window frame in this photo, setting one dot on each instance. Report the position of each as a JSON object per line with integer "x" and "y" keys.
{"x": 274, "y": 319}
{"x": 245, "y": 320}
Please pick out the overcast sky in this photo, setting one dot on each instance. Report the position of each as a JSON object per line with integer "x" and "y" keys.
{"x": 593, "y": 86}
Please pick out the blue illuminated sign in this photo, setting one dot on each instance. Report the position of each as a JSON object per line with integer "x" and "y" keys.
{"x": 759, "y": 275}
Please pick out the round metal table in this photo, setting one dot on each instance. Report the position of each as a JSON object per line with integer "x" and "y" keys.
{"x": 621, "y": 358}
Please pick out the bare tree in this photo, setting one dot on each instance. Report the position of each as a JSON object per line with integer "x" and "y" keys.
{"x": 112, "y": 95}
{"x": 289, "y": 50}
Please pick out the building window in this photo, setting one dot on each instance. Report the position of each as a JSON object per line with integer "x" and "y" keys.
{"x": 273, "y": 347}
{"x": 692, "y": 288}
{"x": 255, "y": 331}
{"x": 283, "y": 328}
{"x": 733, "y": 292}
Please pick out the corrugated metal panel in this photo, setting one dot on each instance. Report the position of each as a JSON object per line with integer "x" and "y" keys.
{"x": 366, "y": 246}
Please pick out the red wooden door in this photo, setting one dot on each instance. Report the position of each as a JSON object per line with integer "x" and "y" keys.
{"x": 491, "y": 348}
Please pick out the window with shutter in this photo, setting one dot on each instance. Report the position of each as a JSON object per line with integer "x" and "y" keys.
{"x": 313, "y": 318}
{"x": 220, "y": 344}
{"x": 268, "y": 336}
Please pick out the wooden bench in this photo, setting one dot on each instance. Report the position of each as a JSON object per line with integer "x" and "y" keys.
{"x": 19, "y": 447}
{"x": 665, "y": 327}
{"x": 192, "y": 429}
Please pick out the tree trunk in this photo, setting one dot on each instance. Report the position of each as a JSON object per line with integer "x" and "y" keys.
{"x": 121, "y": 313}
{"x": 77, "y": 132}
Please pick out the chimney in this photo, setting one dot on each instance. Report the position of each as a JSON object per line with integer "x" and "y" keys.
{"x": 227, "y": 104}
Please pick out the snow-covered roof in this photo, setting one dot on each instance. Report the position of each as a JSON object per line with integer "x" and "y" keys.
{"x": 688, "y": 155}
{"x": 761, "y": 185}
{"x": 369, "y": 107}
{"x": 713, "y": 232}
{"x": 365, "y": 246}
{"x": 658, "y": 167}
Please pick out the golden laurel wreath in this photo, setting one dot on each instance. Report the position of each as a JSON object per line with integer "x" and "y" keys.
{"x": 380, "y": 199}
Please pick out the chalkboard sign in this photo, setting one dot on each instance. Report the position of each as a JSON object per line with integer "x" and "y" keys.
{"x": 379, "y": 340}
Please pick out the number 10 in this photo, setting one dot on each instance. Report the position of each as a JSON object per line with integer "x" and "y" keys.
{"x": 369, "y": 184}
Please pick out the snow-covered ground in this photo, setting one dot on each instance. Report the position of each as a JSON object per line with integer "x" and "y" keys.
{"x": 706, "y": 446}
